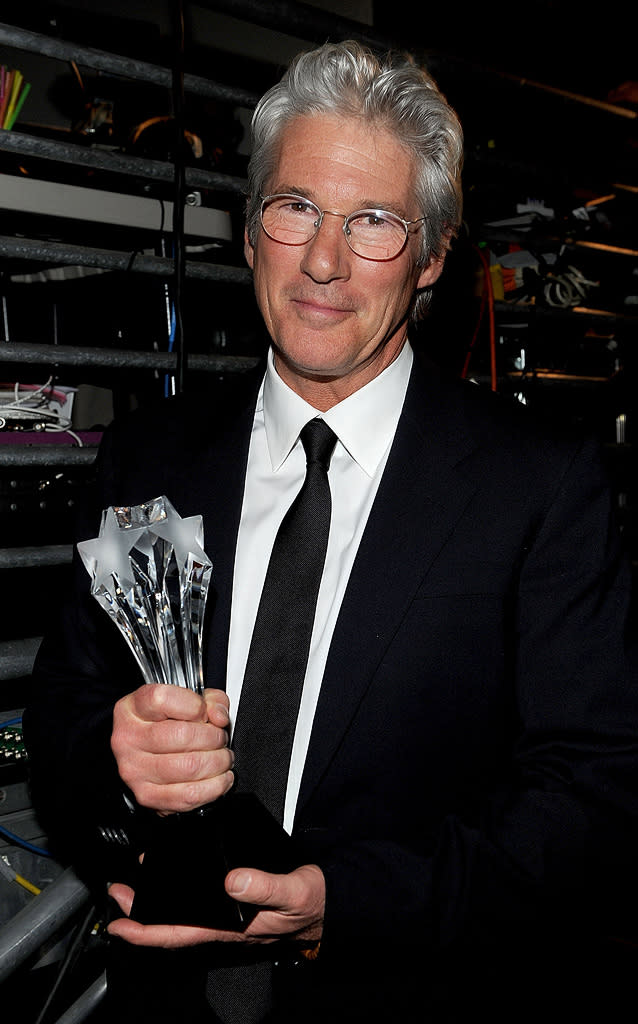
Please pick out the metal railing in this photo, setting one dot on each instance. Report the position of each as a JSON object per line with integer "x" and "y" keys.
{"x": 17, "y": 657}
{"x": 127, "y": 67}
{"x": 33, "y": 929}
{"x": 24, "y": 935}
{"x": 115, "y": 163}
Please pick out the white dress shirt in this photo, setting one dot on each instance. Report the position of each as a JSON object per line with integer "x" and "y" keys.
{"x": 365, "y": 424}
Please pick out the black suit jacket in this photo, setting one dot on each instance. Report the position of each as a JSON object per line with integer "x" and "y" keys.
{"x": 470, "y": 789}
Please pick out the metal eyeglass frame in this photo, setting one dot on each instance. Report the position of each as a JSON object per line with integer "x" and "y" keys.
{"x": 346, "y": 218}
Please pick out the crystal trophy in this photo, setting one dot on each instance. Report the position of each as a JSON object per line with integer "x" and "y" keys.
{"x": 151, "y": 575}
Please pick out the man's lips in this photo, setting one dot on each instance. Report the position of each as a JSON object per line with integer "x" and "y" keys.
{"x": 321, "y": 307}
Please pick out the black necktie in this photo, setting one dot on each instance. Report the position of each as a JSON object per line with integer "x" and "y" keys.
{"x": 276, "y": 665}
{"x": 267, "y": 715}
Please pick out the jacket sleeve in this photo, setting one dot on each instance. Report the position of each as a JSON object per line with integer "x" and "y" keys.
{"x": 82, "y": 668}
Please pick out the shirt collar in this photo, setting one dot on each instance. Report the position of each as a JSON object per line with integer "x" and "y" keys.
{"x": 379, "y": 402}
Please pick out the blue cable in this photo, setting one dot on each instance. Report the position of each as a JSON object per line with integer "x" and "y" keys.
{"x": 171, "y": 343}
{"x": 18, "y": 841}
{"x": 11, "y": 836}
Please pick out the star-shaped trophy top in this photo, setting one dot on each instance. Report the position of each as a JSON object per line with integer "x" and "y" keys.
{"x": 126, "y": 527}
{"x": 186, "y": 535}
{"x": 107, "y": 555}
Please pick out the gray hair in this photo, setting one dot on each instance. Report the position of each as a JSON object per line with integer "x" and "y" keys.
{"x": 389, "y": 92}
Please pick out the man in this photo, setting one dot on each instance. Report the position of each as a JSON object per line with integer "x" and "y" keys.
{"x": 463, "y": 774}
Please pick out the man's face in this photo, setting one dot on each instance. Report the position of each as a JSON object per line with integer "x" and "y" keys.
{"x": 336, "y": 319}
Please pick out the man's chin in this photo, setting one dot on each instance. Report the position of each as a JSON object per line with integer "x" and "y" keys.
{"x": 313, "y": 370}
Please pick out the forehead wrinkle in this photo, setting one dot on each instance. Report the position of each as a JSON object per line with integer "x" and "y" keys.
{"x": 337, "y": 166}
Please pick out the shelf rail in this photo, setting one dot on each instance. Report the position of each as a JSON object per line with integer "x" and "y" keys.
{"x": 116, "y": 163}
{"x": 42, "y": 354}
{"x": 127, "y": 67}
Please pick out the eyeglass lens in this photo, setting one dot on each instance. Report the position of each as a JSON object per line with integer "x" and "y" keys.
{"x": 375, "y": 234}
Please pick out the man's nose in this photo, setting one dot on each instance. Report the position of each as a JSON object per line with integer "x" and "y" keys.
{"x": 327, "y": 255}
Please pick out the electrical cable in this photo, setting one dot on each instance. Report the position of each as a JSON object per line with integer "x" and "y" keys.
{"x": 13, "y": 876}
{"x": 168, "y": 379}
{"x": 31, "y": 393}
{"x": 77, "y": 73}
{"x": 72, "y": 953}
{"x": 134, "y": 254}
{"x": 24, "y": 843}
{"x": 178, "y": 204}
{"x": 61, "y": 429}
{"x": 31, "y": 405}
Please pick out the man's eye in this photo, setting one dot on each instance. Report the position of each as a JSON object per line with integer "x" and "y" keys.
{"x": 372, "y": 222}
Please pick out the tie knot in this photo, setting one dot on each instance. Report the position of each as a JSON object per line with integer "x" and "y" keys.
{"x": 318, "y": 441}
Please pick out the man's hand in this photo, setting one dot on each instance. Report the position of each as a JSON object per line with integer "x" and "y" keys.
{"x": 293, "y": 909}
{"x": 171, "y": 746}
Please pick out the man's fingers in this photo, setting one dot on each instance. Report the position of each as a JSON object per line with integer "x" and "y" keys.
{"x": 181, "y": 765}
{"x": 164, "y": 936}
{"x": 171, "y": 735}
{"x": 217, "y": 706}
{"x": 293, "y": 893}
{"x": 123, "y": 896}
{"x": 251, "y": 886}
{"x": 156, "y": 702}
{"x": 293, "y": 905}
{"x": 183, "y": 796}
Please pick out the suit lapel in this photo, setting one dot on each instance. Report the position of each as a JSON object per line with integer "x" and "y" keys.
{"x": 418, "y": 504}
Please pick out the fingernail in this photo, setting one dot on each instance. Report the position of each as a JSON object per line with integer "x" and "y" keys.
{"x": 239, "y": 883}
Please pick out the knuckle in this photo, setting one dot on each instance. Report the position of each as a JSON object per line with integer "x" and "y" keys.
{"x": 179, "y": 734}
{"x": 154, "y": 697}
{"x": 188, "y": 766}
{"x": 217, "y": 737}
{"x": 223, "y": 760}
{"x": 128, "y": 769}
{"x": 191, "y": 795}
{"x": 145, "y": 794}
{"x": 269, "y": 888}
{"x": 117, "y": 745}
{"x": 217, "y": 696}
{"x": 221, "y": 785}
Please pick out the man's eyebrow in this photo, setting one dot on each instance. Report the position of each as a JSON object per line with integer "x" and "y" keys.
{"x": 293, "y": 190}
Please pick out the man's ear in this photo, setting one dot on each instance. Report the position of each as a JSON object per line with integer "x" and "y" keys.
{"x": 431, "y": 273}
{"x": 249, "y": 250}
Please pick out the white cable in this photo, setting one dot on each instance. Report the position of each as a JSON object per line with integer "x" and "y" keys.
{"x": 31, "y": 407}
{"x": 30, "y": 395}
{"x": 50, "y": 429}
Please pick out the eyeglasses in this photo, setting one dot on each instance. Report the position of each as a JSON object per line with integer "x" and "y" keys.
{"x": 372, "y": 234}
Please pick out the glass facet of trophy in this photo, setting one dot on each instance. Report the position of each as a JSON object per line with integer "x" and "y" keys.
{"x": 150, "y": 574}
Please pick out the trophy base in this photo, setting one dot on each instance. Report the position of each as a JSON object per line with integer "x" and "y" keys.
{"x": 181, "y": 879}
